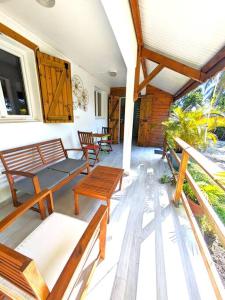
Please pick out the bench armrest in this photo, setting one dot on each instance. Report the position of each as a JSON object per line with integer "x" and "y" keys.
{"x": 78, "y": 149}
{"x": 19, "y": 173}
{"x": 44, "y": 195}
{"x": 97, "y": 227}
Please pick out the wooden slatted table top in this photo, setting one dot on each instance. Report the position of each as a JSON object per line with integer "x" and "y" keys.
{"x": 100, "y": 183}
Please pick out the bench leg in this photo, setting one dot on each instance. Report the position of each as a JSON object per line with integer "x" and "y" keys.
{"x": 108, "y": 205}
{"x": 76, "y": 204}
{"x": 50, "y": 204}
{"x": 14, "y": 197}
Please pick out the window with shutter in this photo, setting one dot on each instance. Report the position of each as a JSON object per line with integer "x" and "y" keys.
{"x": 56, "y": 88}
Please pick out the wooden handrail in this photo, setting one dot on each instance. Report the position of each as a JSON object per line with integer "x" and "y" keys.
{"x": 207, "y": 165}
{"x": 212, "y": 170}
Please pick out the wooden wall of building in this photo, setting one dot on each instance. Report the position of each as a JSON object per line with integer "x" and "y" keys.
{"x": 160, "y": 105}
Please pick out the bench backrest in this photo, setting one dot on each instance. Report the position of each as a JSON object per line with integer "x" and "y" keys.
{"x": 31, "y": 157}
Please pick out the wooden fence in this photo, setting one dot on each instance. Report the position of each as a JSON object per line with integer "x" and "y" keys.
{"x": 212, "y": 170}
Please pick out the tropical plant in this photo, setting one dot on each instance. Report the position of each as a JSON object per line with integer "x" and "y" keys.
{"x": 194, "y": 127}
{"x": 192, "y": 100}
{"x": 214, "y": 194}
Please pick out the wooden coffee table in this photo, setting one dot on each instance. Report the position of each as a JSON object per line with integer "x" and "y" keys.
{"x": 99, "y": 184}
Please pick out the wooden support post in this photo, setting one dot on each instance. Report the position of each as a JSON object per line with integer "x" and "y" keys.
{"x": 137, "y": 75}
{"x": 181, "y": 176}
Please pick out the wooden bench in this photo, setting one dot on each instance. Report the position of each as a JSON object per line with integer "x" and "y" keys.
{"x": 49, "y": 262}
{"x": 35, "y": 167}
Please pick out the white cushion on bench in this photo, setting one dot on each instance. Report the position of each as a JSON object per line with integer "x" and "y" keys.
{"x": 51, "y": 244}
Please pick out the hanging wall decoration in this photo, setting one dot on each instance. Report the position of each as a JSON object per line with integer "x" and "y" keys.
{"x": 84, "y": 99}
{"x": 80, "y": 93}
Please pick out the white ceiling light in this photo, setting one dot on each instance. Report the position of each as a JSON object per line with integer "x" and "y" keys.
{"x": 112, "y": 73}
{"x": 46, "y": 3}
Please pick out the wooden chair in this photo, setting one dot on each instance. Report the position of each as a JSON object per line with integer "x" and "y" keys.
{"x": 88, "y": 145}
{"x": 106, "y": 142}
{"x": 49, "y": 262}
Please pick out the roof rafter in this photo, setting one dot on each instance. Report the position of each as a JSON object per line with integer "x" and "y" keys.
{"x": 141, "y": 62}
{"x": 137, "y": 21}
{"x": 172, "y": 64}
{"x": 211, "y": 68}
{"x": 149, "y": 77}
{"x": 144, "y": 67}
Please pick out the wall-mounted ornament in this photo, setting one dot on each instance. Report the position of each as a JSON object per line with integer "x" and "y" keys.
{"x": 77, "y": 86}
{"x": 84, "y": 99}
{"x": 80, "y": 93}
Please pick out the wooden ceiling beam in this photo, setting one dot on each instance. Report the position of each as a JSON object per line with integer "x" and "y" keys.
{"x": 211, "y": 68}
{"x": 135, "y": 11}
{"x": 172, "y": 64}
{"x": 137, "y": 75}
{"x": 149, "y": 77}
{"x": 144, "y": 67}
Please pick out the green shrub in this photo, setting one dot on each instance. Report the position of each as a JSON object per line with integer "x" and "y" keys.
{"x": 214, "y": 194}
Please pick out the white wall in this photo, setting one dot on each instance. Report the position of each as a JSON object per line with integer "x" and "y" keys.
{"x": 17, "y": 134}
{"x": 119, "y": 15}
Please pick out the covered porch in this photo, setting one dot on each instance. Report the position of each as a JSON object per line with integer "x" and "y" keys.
{"x": 151, "y": 251}
{"x": 92, "y": 68}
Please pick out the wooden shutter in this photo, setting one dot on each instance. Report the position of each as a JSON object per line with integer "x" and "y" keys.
{"x": 114, "y": 117}
{"x": 56, "y": 88}
{"x": 145, "y": 125}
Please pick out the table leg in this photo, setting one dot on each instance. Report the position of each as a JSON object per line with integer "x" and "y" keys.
{"x": 121, "y": 180}
{"x": 108, "y": 204}
{"x": 76, "y": 204}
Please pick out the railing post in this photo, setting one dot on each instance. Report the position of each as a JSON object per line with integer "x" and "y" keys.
{"x": 181, "y": 176}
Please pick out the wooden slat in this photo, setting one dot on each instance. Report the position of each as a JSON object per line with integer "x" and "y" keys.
{"x": 172, "y": 64}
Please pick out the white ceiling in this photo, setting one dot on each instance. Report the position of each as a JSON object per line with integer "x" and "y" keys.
{"x": 77, "y": 28}
{"x": 168, "y": 79}
{"x": 191, "y": 32}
